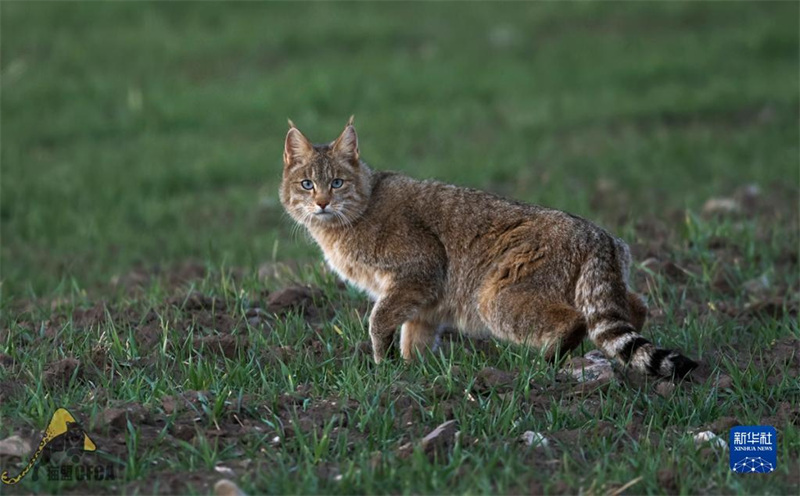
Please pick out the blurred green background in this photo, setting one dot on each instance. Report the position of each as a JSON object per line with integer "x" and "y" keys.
{"x": 136, "y": 133}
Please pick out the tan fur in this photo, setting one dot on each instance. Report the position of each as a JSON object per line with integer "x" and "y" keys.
{"x": 430, "y": 254}
{"x": 416, "y": 336}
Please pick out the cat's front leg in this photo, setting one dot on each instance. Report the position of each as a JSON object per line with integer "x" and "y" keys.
{"x": 397, "y": 306}
{"x": 417, "y": 336}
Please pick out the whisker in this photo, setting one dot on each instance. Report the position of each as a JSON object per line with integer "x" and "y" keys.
{"x": 342, "y": 214}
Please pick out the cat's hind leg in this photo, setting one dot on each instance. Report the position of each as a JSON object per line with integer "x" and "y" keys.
{"x": 525, "y": 313}
{"x": 416, "y": 336}
{"x": 564, "y": 330}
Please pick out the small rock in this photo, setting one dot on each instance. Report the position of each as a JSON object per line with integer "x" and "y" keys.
{"x": 665, "y": 389}
{"x": 225, "y": 471}
{"x": 441, "y": 439}
{"x": 225, "y": 487}
{"x": 593, "y": 367}
{"x": 721, "y": 206}
{"x": 596, "y": 356}
{"x": 15, "y": 446}
{"x": 708, "y": 437}
{"x": 531, "y": 438}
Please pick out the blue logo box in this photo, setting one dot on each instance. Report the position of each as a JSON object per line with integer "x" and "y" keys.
{"x": 754, "y": 449}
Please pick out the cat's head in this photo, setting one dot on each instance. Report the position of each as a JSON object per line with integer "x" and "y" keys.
{"x": 324, "y": 185}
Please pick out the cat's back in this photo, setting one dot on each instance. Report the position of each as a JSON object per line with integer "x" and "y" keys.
{"x": 465, "y": 217}
{"x": 437, "y": 203}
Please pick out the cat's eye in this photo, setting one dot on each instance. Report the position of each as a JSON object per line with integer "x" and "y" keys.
{"x": 307, "y": 184}
{"x": 336, "y": 183}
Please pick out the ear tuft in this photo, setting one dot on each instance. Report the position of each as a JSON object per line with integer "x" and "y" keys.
{"x": 291, "y": 124}
{"x": 350, "y": 120}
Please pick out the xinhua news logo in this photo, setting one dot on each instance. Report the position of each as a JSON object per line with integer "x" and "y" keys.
{"x": 754, "y": 449}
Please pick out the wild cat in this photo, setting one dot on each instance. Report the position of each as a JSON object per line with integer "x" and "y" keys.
{"x": 430, "y": 253}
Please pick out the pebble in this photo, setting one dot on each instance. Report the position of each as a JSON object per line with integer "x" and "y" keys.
{"x": 709, "y": 438}
{"x": 15, "y": 446}
{"x": 721, "y": 206}
{"x": 531, "y": 438}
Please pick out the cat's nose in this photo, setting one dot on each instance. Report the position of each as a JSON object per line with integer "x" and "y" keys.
{"x": 322, "y": 205}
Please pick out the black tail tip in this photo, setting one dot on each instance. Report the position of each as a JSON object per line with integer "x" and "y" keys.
{"x": 682, "y": 366}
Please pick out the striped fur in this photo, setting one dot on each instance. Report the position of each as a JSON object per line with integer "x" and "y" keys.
{"x": 602, "y": 295}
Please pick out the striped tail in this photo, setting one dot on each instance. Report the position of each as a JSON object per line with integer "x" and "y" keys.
{"x": 602, "y": 296}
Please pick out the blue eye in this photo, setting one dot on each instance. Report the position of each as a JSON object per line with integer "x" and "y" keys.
{"x": 307, "y": 184}
{"x": 336, "y": 183}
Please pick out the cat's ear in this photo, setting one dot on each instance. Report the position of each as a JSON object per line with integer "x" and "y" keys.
{"x": 296, "y": 146}
{"x": 346, "y": 145}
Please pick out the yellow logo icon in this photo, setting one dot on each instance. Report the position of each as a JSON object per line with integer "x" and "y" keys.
{"x": 62, "y": 432}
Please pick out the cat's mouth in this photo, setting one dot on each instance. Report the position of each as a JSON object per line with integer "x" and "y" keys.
{"x": 324, "y": 215}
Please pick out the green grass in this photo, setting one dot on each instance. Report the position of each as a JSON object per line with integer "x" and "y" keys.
{"x": 137, "y": 136}
{"x": 148, "y": 133}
